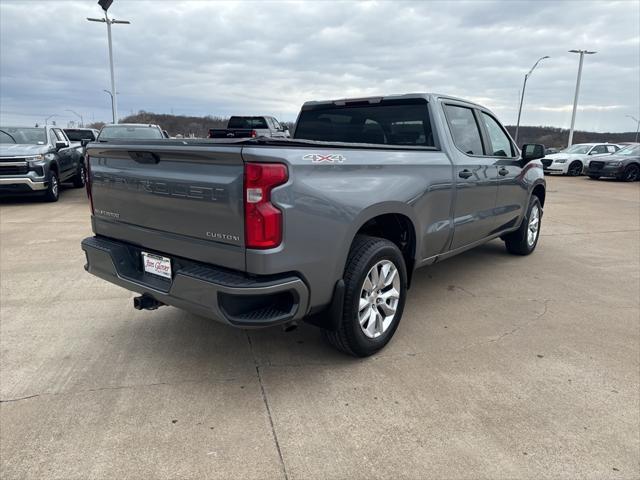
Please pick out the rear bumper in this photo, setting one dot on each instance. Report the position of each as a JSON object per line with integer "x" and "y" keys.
{"x": 21, "y": 184}
{"x": 225, "y": 295}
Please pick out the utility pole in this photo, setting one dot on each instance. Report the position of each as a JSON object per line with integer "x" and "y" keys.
{"x": 524, "y": 85}
{"x": 575, "y": 98}
{"x": 105, "y": 4}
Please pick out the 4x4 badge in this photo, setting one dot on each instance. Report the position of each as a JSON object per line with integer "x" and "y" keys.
{"x": 320, "y": 158}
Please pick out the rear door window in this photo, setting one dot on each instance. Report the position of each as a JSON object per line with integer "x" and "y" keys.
{"x": 598, "y": 149}
{"x": 464, "y": 129}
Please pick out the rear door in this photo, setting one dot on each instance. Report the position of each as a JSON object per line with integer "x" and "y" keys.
{"x": 512, "y": 189}
{"x": 475, "y": 176}
{"x": 171, "y": 198}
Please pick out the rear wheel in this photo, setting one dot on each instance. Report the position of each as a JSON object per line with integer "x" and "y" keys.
{"x": 575, "y": 169}
{"x": 53, "y": 190}
{"x": 78, "y": 178}
{"x": 375, "y": 290}
{"x": 594, "y": 177}
{"x": 524, "y": 240}
{"x": 631, "y": 173}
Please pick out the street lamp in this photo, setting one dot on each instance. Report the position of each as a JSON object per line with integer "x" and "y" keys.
{"x": 638, "y": 125}
{"x": 46, "y": 120}
{"x": 524, "y": 85}
{"x": 105, "y": 4}
{"x": 575, "y": 98}
{"x": 113, "y": 108}
{"x": 77, "y": 115}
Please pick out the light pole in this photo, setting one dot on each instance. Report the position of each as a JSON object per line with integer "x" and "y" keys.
{"x": 637, "y": 125}
{"x": 46, "y": 120}
{"x": 113, "y": 108}
{"x": 575, "y": 98}
{"x": 524, "y": 85}
{"x": 77, "y": 115}
{"x": 105, "y": 4}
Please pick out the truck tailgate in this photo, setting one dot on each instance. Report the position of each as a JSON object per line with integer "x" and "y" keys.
{"x": 180, "y": 200}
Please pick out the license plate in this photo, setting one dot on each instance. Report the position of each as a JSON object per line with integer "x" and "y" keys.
{"x": 156, "y": 265}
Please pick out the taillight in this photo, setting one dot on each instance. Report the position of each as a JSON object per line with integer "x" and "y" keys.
{"x": 254, "y": 134}
{"x": 262, "y": 220}
{"x": 87, "y": 180}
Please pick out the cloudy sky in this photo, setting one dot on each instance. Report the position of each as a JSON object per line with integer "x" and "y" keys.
{"x": 222, "y": 58}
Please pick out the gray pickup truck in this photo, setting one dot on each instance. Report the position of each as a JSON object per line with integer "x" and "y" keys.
{"x": 328, "y": 226}
{"x": 251, "y": 127}
{"x": 34, "y": 160}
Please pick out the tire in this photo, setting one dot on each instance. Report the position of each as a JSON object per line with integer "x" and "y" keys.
{"x": 631, "y": 173}
{"x": 78, "y": 178}
{"x": 53, "y": 190}
{"x": 520, "y": 242}
{"x": 366, "y": 337}
{"x": 594, "y": 177}
{"x": 575, "y": 169}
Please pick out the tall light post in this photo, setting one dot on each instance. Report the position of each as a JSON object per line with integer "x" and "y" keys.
{"x": 46, "y": 120}
{"x": 575, "y": 98}
{"x": 524, "y": 85}
{"x": 77, "y": 115}
{"x": 105, "y": 4}
{"x": 113, "y": 108}
{"x": 637, "y": 125}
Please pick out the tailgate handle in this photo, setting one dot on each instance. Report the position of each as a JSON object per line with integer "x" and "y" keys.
{"x": 144, "y": 157}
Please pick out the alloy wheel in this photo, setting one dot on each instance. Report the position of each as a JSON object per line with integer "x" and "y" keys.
{"x": 379, "y": 299}
{"x": 534, "y": 226}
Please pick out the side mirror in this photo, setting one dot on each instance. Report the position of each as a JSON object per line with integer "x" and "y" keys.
{"x": 532, "y": 151}
{"x": 84, "y": 142}
{"x": 61, "y": 144}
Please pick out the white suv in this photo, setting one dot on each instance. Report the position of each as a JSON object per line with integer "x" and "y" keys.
{"x": 572, "y": 161}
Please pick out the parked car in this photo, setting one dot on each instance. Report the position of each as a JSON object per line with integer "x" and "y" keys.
{"x": 251, "y": 127}
{"x": 130, "y": 131}
{"x": 571, "y": 161}
{"x": 76, "y": 135}
{"x": 327, "y": 226}
{"x": 623, "y": 165}
{"x": 36, "y": 160}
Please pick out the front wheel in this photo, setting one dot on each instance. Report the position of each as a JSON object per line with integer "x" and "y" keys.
{"x": 524, "y": 240}
{"x": 575, "y": 169}
{"x": 375, "y": 290}
{"x": 53, "y": 190}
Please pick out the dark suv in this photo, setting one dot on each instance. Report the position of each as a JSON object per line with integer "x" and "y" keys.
{"x": 34, "y": 160}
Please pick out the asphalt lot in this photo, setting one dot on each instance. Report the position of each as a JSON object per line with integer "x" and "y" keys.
{"x": 503, "y": 367}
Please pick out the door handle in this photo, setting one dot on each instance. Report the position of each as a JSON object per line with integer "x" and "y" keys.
{"x": 503, "y": 171}
{"x": 465, "y": 173}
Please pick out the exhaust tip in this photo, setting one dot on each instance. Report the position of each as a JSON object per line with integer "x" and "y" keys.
{"x": 289, "y": 327}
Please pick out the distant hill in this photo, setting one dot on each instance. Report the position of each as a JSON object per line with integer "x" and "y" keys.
{"x": 199, "y": 127}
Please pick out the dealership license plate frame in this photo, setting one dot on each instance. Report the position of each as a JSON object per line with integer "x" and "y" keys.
{"x": 157, "y": 265}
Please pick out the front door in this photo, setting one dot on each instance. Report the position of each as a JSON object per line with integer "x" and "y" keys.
{"x": 512, "y": 186}
{"x": 474, "y": 175}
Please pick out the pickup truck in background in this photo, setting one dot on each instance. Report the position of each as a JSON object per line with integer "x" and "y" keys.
{"x": 251, "y": 127}
{"x": 328, "y": 226}
{"x": 35, "y": 160}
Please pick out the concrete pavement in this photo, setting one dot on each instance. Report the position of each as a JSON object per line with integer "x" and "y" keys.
{"x": 502, "y": 367}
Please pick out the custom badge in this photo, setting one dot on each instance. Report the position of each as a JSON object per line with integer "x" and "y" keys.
{"x": 323, "y": 158}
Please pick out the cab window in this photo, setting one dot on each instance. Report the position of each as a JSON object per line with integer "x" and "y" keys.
{"x": 500, "y": 144}
{"x": 464, "y": 129}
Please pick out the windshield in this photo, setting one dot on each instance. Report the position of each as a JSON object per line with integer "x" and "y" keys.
{"x": 131, "y": 132}
{"x": 632, "y": 150}
{"x": 247, "y": 122}
{"x": 580, "y": 149}
{"x": 23, "y": 136}
{"x": 76, "y": 135}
